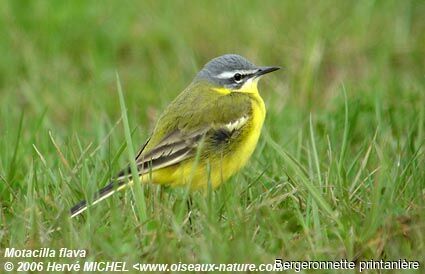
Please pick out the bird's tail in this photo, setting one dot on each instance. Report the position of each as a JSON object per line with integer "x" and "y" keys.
{"x": 102, "y": 194}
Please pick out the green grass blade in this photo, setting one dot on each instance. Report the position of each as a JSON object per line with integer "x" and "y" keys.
{"x": 139, "y": 191}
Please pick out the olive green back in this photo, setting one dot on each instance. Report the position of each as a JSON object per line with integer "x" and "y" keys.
{"x": 198, "y": 107}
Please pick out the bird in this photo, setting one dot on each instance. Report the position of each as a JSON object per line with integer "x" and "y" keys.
{"x": 205, "y": 135}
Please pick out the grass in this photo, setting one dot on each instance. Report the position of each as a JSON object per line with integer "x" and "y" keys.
{"x": 339, "y": 170}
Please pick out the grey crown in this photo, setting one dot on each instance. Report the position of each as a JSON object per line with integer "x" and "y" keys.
{"x": 228, "y": 62}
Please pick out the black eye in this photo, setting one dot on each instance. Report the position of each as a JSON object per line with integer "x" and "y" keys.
{"x": 238, "y": 77}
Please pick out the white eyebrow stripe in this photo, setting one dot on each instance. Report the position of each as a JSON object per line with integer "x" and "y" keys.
{"x": 230, "y": 74}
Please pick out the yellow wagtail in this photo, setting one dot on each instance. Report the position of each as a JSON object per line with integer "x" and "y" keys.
{"x": 205, "y": 135}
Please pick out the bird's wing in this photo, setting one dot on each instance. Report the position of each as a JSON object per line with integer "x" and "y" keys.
{"x": 173, "y": 149}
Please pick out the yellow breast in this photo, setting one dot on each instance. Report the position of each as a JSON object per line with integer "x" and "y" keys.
{"x": 240, "y": 156}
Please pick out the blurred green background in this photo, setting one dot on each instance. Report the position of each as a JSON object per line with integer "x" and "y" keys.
{"x": 347, "y": 111}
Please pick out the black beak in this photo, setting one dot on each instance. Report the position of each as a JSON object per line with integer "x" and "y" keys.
{"x": 265, "y": 70}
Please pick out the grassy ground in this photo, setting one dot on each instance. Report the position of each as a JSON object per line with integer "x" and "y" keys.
{"x": 339, "y": 171}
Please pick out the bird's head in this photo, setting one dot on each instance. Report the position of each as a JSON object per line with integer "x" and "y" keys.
{"x": 233, "y": 73}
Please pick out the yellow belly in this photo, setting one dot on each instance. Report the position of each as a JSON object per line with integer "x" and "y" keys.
{"x": 214, "y": 170}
